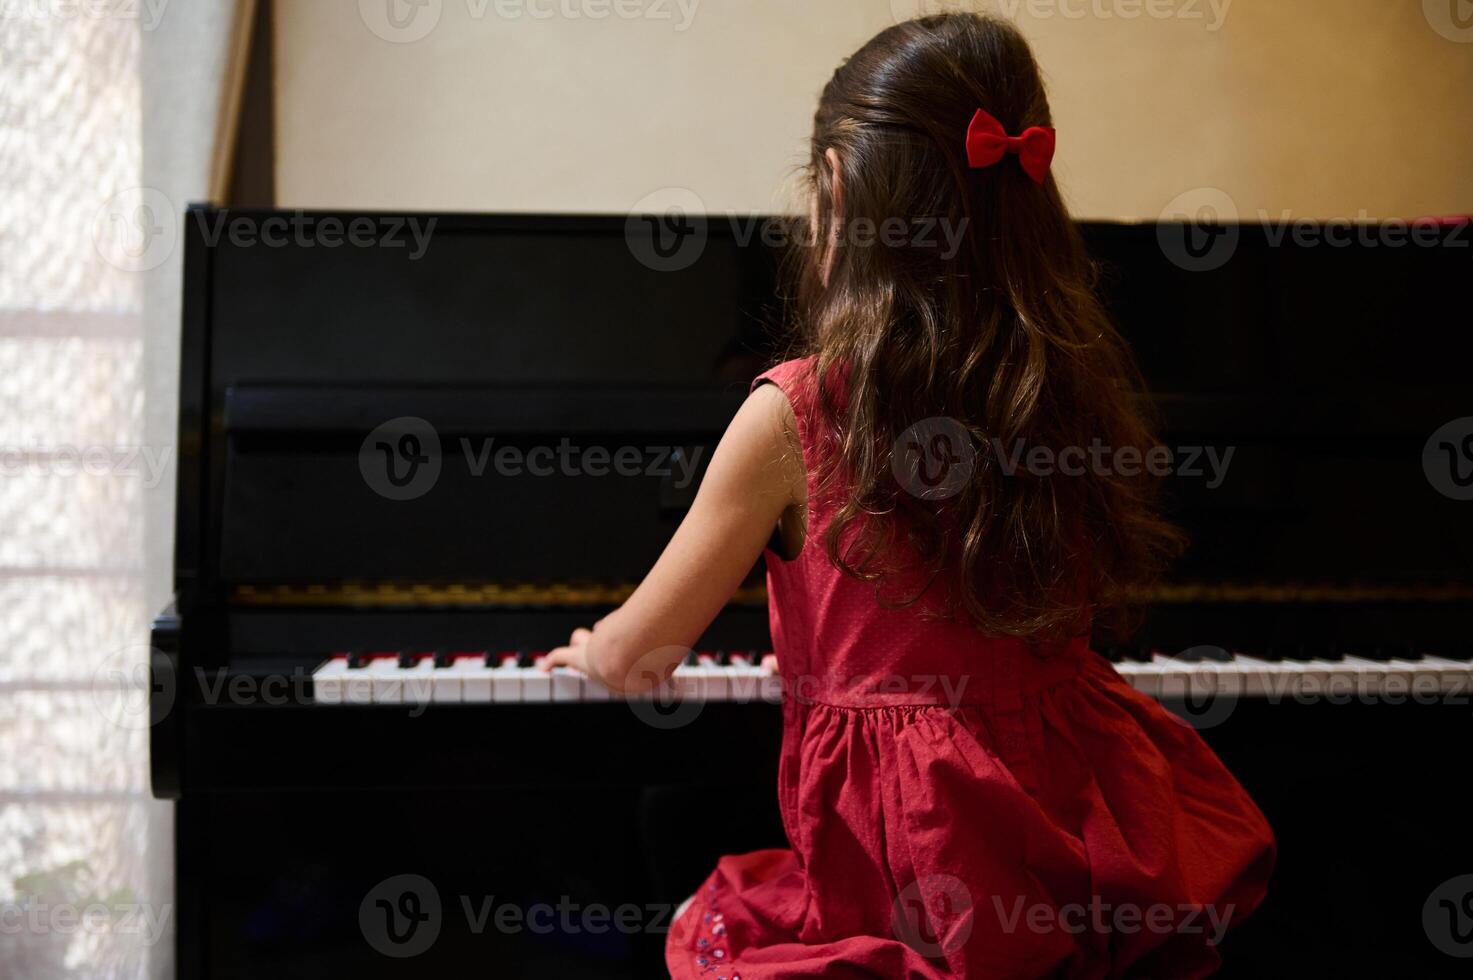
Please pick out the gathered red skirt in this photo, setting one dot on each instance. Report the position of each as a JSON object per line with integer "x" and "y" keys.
{"x": 1058, "y": 826}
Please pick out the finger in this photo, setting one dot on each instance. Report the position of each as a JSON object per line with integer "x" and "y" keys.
{"x": 769, "y": 662}
{"x": 580, "y": 637}
{"x": 561, "y": 657}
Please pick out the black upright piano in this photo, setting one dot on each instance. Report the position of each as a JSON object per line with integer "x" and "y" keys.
{"x": 412, "y": 459}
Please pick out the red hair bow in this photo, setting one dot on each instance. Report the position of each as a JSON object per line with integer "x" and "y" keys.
{"x": 988, "y": 142}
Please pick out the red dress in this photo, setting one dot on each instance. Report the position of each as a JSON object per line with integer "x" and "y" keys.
{"x": 959, "y": 807}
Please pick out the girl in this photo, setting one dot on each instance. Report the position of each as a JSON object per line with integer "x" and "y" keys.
{"x": 968, "y": 789}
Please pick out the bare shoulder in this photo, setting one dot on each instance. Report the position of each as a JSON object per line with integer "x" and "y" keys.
{"x": 765, "y": 434}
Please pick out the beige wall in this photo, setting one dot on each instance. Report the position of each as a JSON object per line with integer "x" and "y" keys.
{"x": 1325, "y": 108}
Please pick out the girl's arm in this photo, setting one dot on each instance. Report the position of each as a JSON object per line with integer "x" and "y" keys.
{"x": 755, "y": 476}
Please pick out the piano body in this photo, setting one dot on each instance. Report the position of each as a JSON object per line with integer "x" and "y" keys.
{"x": 403, "y": 475}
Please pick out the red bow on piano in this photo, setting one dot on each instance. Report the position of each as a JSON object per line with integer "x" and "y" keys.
{"x": 988, "y": 142}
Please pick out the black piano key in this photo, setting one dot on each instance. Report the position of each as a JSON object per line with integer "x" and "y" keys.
{"x": 1271, "y": 652}
{"x": 1363, "y": 649}
{"x": 1408, "y": 651}
{"x": 1299, "y": 653}
{"x": 492, "y": 659}
{"x": 1138, "y": 653}
{"x": 1387, "y": 652}
{"x": 524, "y": 658}
{"x": 723, "y": 658}
{"x": 1462, "y": 652}
{"x": 691, "y": 659}
{"x": 407, "y": 659}
{"x": 1113, "y": 653}
{"x": 1205, "y": 654}
{"x": 443, "y": 659}
{"x": 357, "y": 660}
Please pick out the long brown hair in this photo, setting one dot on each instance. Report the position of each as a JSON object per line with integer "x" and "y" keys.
{"x": 991, "y": 322}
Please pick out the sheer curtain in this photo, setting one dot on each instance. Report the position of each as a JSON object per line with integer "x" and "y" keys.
{"x": 108, "y": 116}
{"x": 80, "y": 892}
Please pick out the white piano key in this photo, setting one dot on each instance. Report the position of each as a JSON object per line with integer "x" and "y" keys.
{"x": 419, "y": 681}
{"x": 714, "y": 679}
{"x": 1261, "y": 678}
{"x": 770, "y": 686}
{"x": 743, "y": 681}
{"x": 687, "y": 683}
{"x": 567, "y": 685}
{"x": 1144, "y": 676}
{"x": 506, "y": 682}
{"x": 386, "y": 680}
{"x": 536, "y": 686}
{"x": 592, "y": 691}
{"x": 358, "y": 686}
{"x": 1173, "y": 677}
{"x": 1454, "y": 677}
{"x": 328, "y": 679}
{"x": 475, "y": 679}
{"x": 447, "y": 684}
{"x": 1363, "y": 668}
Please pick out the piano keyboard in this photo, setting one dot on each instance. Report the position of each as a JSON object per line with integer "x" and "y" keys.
{"x": 479, "y": 678}
{"x": 510, "y": 678}
{"x": 1223, "y": 674}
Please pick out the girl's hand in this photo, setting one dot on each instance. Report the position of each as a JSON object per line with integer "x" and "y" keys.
{"x": 574, "y": 655}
